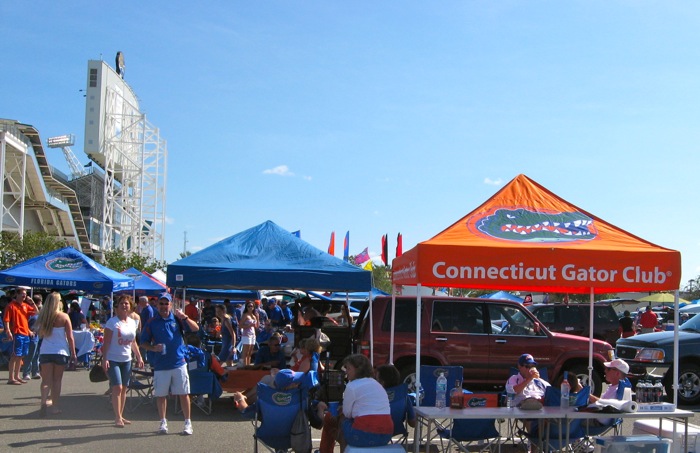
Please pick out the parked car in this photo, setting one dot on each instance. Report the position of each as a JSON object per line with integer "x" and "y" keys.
{"x": 483, "y": 336}
{"x": 574, "y": 319}
{"x": 651, "y": 353}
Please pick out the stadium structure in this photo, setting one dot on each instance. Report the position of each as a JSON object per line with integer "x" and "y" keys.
{"x": 116, "y": 201}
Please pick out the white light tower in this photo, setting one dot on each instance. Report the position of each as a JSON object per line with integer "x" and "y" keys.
{"x": 133, "y": 155}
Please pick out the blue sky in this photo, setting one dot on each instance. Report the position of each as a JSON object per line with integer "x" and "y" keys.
{"x": 384, "y": 117}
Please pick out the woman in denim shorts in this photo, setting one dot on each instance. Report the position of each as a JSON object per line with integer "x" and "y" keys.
{"x": 119, "y": 344}
{"x": 57, "y": 347}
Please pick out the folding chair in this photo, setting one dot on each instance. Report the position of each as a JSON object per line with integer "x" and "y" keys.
{"x": 276, "y": 412}
{"x": 467, "y": 434}
{"x": 615, "y": 426}
{"x": 140, "y": 389}
{"x": 428, "y": 380}
{"x": 204, "y": 389}
{"x": 556, "y": 434}
{"x": 401, "y": 410}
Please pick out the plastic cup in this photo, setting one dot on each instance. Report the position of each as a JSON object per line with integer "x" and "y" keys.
{"x": 333, "y": 407}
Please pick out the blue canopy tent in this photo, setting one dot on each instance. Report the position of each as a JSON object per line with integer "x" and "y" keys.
{"x": 270, "y": 257}
{"x": 502, "y": 295}
{"x": 144, "y": 284}
{"x": 63, "y": 269}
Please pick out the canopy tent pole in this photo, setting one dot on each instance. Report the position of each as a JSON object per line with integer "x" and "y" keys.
{"x": 419, "y": 387}
{"x": 676, "y": 347}
{"x": 371, "y": 329}
{"x": 393, "y": 322}
{"x": 590, "y": 337}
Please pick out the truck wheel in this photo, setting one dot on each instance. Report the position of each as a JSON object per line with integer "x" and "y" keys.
{"x": 688, "y": 384}
{"x": 581, "y": 371}
{"x": 408, "y": 377}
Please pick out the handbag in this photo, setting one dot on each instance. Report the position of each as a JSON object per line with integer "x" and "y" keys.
{"x": 97, "y": 373}
{"x": 300, "y": 434}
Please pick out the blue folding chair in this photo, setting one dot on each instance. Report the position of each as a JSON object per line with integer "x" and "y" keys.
{"x": 428, "y": 380}
{"x": 466, "y": 434}
{"x": 401, "y": 411}
{"x": 615, "y": 426}
{"x": 276, "y": 410}
{"x": 556, "y": 438}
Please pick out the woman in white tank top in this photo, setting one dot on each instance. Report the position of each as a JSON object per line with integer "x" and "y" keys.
{"x": 57, "y": 348}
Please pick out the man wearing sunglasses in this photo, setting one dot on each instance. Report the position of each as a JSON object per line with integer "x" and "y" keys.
{"x": 163, "y": 336}
{"x": 527, "y": 383}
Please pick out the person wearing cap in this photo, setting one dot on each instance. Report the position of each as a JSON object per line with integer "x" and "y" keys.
{"x": 527, "y": 383}
{"x": 616, "y": 376}
{"x": 163, "y": 336}
{"x": 283, "y": 379}
{"x": 286, "y": 312}
{"x": 274, "y": 313}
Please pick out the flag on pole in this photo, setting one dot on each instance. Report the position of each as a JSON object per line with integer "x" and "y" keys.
{"x": 385, "y": 251}
{"x": 297, "y": 233}
{"x": 331, "y": 246}
{"x": 362, "y": 257}
{"x": 368, "y": 265}
{"x": 346, "y": 247}
{"x": 399, "y": 245}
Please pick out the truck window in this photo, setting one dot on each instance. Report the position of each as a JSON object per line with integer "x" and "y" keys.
{"x": 457, "y": 317}
{"x": 512, "y": 321}
{"x": 405, "y": 316}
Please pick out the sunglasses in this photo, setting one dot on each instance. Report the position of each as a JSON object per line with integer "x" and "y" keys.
{"x": 163, "y": 303}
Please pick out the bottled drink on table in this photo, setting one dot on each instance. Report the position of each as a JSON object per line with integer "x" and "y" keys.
{"x": 456, "y": 396}
{"x": 441, "y": 391}
{"x": 565, "y": 390}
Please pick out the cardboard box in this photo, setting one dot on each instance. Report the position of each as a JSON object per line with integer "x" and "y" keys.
{"x": 480, "y": 400}
{"x": 651, "y": 426}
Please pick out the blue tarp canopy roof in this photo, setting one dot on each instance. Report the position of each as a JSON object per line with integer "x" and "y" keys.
{"x": 231, "y": 294}
{"x": 359, "y": 295}
{"x": 266, "y": 257}
{"x": 503, "y": 295}
{"x": 144, "y": 284}
{"x": 63, "y": 269}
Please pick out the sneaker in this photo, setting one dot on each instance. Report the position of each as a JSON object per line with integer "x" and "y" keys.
{"x": 163, "y": 427}
{"x": 27, "y": 377}
{"x": 188, "y": 429}
{"x": 36, "y": 376}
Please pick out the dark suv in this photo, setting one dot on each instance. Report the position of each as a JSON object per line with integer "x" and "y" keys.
{"x": 573, "y": 319}
{"x": 484, "y": 336}
{"x": 653, "y": 352}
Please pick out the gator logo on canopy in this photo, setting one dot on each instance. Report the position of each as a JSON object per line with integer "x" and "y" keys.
{"x": 523, "y": 225}
{"x": 64, "y": 264}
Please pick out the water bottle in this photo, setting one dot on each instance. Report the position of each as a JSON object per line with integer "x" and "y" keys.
{"x": 565, "y": 390}
{"x": 441, "y": 391}
{"x": 658, "y": 391}
{"x": 644, "y": 395}
{"x": 510, "y": 396}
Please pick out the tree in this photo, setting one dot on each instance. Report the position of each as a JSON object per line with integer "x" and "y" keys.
{"x": 692, "y": 289}
{"x": 15, "y": 249}
{"x": 119, "y": 261}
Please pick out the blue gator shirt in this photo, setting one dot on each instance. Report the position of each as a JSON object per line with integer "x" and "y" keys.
{"x": 165, "y": 331}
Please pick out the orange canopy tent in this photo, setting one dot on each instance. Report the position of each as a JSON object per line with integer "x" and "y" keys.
{"x": 527, "y": 238}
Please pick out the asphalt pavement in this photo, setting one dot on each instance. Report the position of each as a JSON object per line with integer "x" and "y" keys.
{"x": 87, "y": 423}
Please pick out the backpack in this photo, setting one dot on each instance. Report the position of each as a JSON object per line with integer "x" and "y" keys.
{"x": 300, "y": 434}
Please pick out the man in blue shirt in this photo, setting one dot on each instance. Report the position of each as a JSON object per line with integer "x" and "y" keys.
{"x": 163, "y": 336}
{"x": 286, "y": 312}
{"x": 274, "y": 313}
{"x": 271, "y": 355}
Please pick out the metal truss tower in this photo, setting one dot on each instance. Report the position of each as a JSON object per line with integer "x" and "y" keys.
{"x": 134, "y": 158}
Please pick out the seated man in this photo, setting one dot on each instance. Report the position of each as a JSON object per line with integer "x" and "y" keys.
{"x": 615, "y": 375}
{"x": 527, "y": 383}
{"x": 270, "y": 355}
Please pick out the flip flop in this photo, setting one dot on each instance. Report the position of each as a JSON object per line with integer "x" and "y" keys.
{"x": 10, "y": 382}
{"x": 126, "y": 422}
{"x": 21, "y": 381}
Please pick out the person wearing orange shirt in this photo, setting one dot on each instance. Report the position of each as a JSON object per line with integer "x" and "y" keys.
{"x": 192, "y": 311}
{"x": 16, "y": 319}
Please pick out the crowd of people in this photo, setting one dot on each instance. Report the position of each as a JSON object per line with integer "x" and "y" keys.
{"x": 154, "y": 331}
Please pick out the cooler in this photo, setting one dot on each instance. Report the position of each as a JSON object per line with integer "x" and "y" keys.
{"x": 651, "y": 426}
{"x": 632, "y": 444}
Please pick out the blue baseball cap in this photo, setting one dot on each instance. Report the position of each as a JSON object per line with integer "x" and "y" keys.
{"x": 526, "y": 359}
{"x": 286, "y": 377}
{"x": 166, "y": 296}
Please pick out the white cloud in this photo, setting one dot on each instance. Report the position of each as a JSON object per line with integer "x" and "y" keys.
{"x": 493, "y": 182}
{"x": 280, "y": 170}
